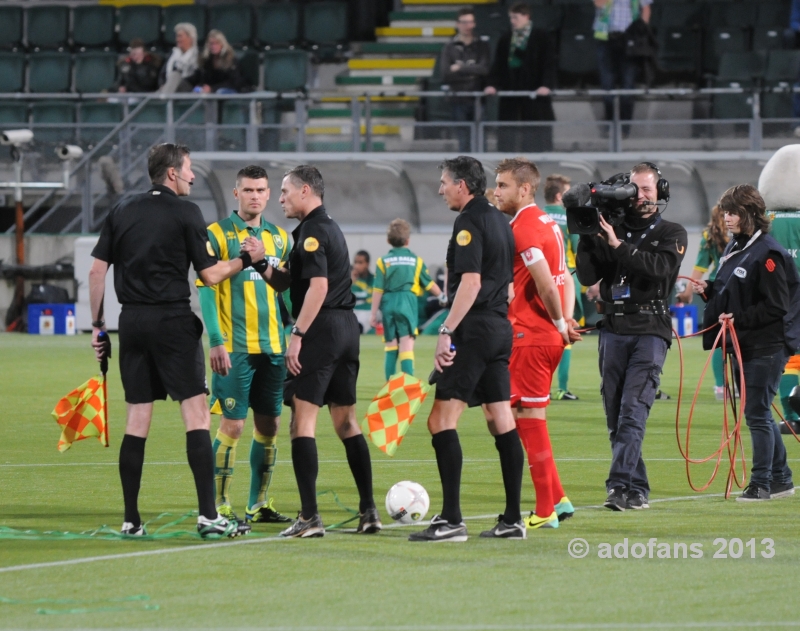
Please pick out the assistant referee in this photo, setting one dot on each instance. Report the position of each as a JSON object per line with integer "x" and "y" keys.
{"x": 151, "y": 239}
{"x": 480, "y": 263}
{"x": 322, "y": 357}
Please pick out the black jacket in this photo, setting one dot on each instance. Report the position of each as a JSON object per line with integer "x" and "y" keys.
{"x": 475, "y": 65}
{"x": 216, "y": 78}
{"x": 538, "y": 69}
{"x": 141, "y": 77}
{"x": 651, "y": 271}
{"x": 760, "y": 286}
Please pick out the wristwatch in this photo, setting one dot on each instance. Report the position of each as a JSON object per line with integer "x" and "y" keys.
{"x": 443, "y": 330}
{"x": 297, "y": 332}
{"x": 99, "y": 324}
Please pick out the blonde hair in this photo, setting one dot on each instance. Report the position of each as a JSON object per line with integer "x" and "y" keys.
{"x": 226, "y": 55}
{"x": 399, "y": 233}
{"x": 522, "y": 170}
{"x": 189, "y": 29}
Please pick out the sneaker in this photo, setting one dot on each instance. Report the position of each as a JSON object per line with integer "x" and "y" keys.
{"x": 502, "y": 530}
{"x": 565, "y": 395}
{"x": 777, "y": 491}
{"x": 753, "y": 493}
{"x": 719, "y": 393}
{"x": 369, "y": 522}
{"x": 662, "y": 396}
{"x": 227, "y": 512}
{"x": 564, "y": 509}
{"x": 635, "y": 500}
{"x": 220, "y": 527}
{"x": 265, "y": 514}
{"x": 440, "y": 530}
{"x": 616, "y": 499}
{"x": 788, "y": 426}
{"x": 305, "y": 528}
{"x": 534, "y": 521}
{"x": 129, "y": 530}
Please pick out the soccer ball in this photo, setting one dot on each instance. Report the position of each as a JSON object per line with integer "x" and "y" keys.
{"x": 407, "y": 502}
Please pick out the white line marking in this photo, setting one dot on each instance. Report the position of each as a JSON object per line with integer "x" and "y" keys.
{"x": 558, "y": 626}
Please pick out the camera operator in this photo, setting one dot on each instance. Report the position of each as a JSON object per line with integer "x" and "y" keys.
{"x": 636, "y": 263}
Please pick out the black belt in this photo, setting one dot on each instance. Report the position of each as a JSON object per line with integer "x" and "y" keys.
{"x": 620, "y": 308}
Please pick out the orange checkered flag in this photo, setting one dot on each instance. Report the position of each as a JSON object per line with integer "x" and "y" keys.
{"x": 83, "y": 413}
{"x": 392, "y": 410}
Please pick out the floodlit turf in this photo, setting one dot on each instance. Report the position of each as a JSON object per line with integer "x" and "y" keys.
{"x": 377, "y": 582}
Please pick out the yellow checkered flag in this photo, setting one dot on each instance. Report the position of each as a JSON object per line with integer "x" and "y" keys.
{"x": 392, "y": 410}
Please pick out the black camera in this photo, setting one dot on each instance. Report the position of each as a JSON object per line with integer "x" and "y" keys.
{"x": 612, "y": 198}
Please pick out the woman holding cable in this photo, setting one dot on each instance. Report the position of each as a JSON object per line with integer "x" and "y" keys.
{"x": 757, "y": 290}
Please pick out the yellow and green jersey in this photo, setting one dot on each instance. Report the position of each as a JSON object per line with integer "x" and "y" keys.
{"x": 707, "y": 257}
{"x": 786, "y": 231}
{"x": 402, "y": 270}
{"x": 362, "y": 290}
{"x": 242, "y": 312}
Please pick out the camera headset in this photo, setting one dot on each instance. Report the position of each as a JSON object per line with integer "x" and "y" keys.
{"x": 662, "y": 185}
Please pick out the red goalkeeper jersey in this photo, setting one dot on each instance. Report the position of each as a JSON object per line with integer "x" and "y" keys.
{"x": 536, "y": 237}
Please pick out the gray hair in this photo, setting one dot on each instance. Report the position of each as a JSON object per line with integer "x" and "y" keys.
{"x": 189, "y": 29}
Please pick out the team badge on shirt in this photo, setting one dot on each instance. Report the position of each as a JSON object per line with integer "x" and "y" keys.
{"x": 278, "y": 240}
{"x": 310, "y": 244}
{"x": 463, "y": 237}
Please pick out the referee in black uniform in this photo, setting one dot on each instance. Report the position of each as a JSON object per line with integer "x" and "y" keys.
{"x": 474, "y": 349}
{"x": 151, "y": 239}
{"x": 322, "y": 358}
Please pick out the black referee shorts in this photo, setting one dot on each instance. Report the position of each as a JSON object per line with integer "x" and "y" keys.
{"x": 479, "y": 373}
{"x": 161, "y": 353}
{"x": 329, "y": 360}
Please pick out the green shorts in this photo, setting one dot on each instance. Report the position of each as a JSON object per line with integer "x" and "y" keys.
{"x": 254, "y": 381}
{"x": 400, "y": 315}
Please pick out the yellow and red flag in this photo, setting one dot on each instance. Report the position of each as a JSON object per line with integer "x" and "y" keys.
{"x": 392, "y": 410}
{"x": 83, "y": 413}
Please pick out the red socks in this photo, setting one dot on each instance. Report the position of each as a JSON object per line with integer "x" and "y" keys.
{"x": 544, "y": 474}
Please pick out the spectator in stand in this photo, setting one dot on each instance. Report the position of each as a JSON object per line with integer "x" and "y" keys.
{"x": 138, "y": 71}
{"x": 617, "y": 69}
{"x": 525, "y": 61}
{"x": 218, "y": 71}
{"x": 465, "y": 64}
{"x": 182, "y": 63}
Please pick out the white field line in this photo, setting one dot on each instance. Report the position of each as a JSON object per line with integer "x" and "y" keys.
{"x": 247, "y": 541}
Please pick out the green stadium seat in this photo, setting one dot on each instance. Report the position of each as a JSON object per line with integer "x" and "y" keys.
{"x": 175, "y": 14}
{"x": 775, "y": 14}
{"x": 12, "y": 72}
{"x": 93, "y": 27}
{"x": 235, "y": 21}
{"x": 285, "y": 70}
{"x": 61, "y": 113}
{"x": 49, "y": 72}
{"x": 738, "y": 70}
{"x": 142, "y": 21}
{"x": 10, "y": 27}
{"x": 777, "y": 105}
{"x": 249, "y": 66}
{"x": 152, "y": 113}
{"x": 325, "y": 23}
{"x": 196, "y": 117}
{"x": 48, "y": 27}
{"x": 767, "y": 38}
{"x": 95, "y": 72}
{"x": 277, "y": 25}
{"x": 742, "y": 13}
{"x": 678, "y": 51}
{"x": 577, "y": 57}
{"x": 13, "y": 113}
{"x": 578, "y": 16}
{"x": 105, "y": 114}
{"x": 718, "y": 42}
{"x": 678, "y": 15}
{"x": 548, "y": 18}
{"x": 782, "y": 65}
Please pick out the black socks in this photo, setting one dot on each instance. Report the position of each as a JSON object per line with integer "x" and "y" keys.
{"x": 201, "y": 461}
{"x": 131, "y": 460}
{"x": 449, "y": 458}
{"x": 361, "y": 467}
{"x": 306, "y": 468}
{"x": 512, "y": 461}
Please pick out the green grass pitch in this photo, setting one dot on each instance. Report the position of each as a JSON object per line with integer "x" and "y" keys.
{"x": 381, "y": 582}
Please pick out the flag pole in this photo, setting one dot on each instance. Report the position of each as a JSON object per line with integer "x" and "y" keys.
{"x": 103, "y": 337}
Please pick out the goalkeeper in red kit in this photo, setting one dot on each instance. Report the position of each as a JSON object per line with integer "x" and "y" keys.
{"x": 541, "y": 331}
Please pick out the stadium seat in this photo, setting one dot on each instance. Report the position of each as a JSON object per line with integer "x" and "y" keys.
{"x": 739, "y": 70}
{"x": 677, "y": 15}
{"x": 12, "y": 72}
{"x": 58, "y": 114}
{"x": 175, "y": 14}
{"x": 93, "y": 27}
{"x": 775, "y": 14}
{"x": 577, "y": 58}
{"x": 577, "y": 16}
{"x": 105, "y": 114}
{"x": 49, "y": 72}
{"x": 767, "y": 38}
{"x": 196, "y": 117}
{"x": 741, "y": 13}
{"x": 48, "y": 27}
{"x": 10, "y": 27}
{"x": 285, "y": 70}
{"x": 95, "y": 71}
{"x": 235, "y": 21}
{"x": 249, "y": 66}
{"x": 277, "y": 25}
{"x": 719, "y": 41}
{"x": 678, "y": 51}
{"x": 325, "y": 23}
{"x": 783, "y": 67}
{"x": 142, "y": 21}
{"x": 154, "y": 112}
{"x": 13, "y": 113}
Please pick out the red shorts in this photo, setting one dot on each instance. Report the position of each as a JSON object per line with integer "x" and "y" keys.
{"x": 532, "y": 369}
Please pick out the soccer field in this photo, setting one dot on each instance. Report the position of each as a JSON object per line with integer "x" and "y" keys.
{"x": 345, "y": 581}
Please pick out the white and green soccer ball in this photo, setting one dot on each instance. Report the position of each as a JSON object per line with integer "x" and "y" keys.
{"x": 407, "y": 502}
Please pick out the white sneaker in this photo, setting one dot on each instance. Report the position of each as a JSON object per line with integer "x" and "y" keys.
{"x": 129, "y": 530}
